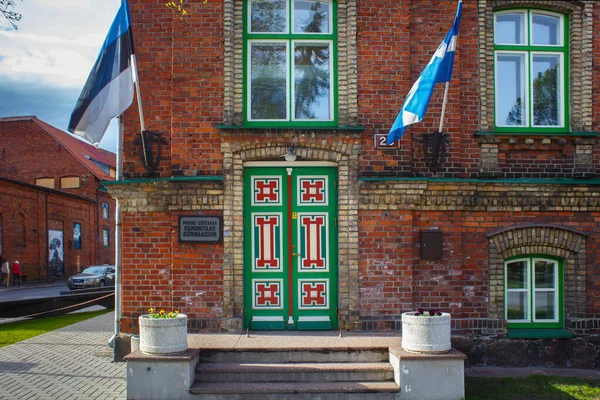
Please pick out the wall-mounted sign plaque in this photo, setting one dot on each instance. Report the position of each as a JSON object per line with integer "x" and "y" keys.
{"x": 201, "y": 229}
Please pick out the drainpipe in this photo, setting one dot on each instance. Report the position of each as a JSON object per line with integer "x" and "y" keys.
{"x": 119, "y": 177}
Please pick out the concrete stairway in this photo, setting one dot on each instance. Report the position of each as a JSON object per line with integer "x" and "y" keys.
{"x": 299, "y": 374}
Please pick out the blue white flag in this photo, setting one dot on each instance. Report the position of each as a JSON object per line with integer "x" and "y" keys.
{"x": 108, "y": 91}
{"x": 439, "y": 69}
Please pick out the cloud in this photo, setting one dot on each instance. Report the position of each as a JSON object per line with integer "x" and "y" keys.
{"x": 44, "y": 65}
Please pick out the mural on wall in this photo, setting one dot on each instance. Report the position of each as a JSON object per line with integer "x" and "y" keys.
{"x": 56, "y": 265}
{"x": 105, "y": 238}
{"x": 77, "y": 236}
{"x": 104, "y": 210}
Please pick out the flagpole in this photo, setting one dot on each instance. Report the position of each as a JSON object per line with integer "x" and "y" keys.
{"x": 444, "y": 106}
{"x": 139, "y": 101}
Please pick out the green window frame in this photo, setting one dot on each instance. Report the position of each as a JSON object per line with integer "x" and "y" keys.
{"x": 533, "y": 292}
{"x": 290, "y": 53}
{"x": 531, "y": 70}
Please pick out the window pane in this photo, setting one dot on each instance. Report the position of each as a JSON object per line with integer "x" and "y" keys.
{"x": 510, "y": 90}
{"x": 516, "y": 274}
{"x": 311, "y": 16}
{"x": 510, "y": 29}
{"x": 544, "y": 274}
{"x": 312, "y": 81}
{"x": 546, "y": 97}
{"x": 516, "y": 305}
{"x": 45, "y": 182}
{"x": 545, "y": 30}
{"x": 268, "y": 81}
{"x": 268, "y": 16}
{"x": 69, "y": 182}
{"x": 544, "y": 305}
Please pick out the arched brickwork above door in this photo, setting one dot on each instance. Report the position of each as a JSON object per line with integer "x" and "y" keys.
{"x": 556, "y": 241}
{"x": 338, "y": 148}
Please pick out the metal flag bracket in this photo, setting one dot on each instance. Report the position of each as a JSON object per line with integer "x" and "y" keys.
{"x": 434, "y": 149}
{"x": 147, "y": 141}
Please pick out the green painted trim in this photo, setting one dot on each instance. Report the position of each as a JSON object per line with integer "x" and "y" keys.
{"x": 539, "y": 334}
{"x": 553, "y": 134}
{"x": 537, "y": 181}
{"x": 528, "y": 49}
{"x": 531, "y": 293}
{"x": 290, "y": 37}
{"x": 267, "y": 325}
{"x": 314, "y": 325}
{"x": 171, "y": 179}
{"x": 312, "y": 128}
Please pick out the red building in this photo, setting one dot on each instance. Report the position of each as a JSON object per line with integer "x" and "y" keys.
{"x": 499, "y": 228}
{"x": 55, "y": 216}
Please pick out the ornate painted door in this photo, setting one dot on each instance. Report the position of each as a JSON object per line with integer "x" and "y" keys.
{"x": 290, "y": 260}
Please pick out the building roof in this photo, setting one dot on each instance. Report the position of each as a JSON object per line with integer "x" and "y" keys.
{"x": 90, "y": 156}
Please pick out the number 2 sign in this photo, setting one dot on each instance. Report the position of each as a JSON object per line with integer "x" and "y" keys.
{"x": 381, "y": 142}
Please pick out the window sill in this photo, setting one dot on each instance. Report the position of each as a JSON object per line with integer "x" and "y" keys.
{"x": 303, "y": 128}
{"x": 532, "y": 333}
{"x": 553, "y": 134}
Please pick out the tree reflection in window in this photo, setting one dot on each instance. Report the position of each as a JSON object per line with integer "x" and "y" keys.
{"x": 311, "y": 80}
{"x": 268, "y": 16}
{"x": 311, "y": 17}
{"x": 545, "y": 98}
{"x": 268, "y": 84}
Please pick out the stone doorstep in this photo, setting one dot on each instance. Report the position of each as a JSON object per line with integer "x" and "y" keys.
{"x": 402, "y": 354}
{"x": 294, "y": 367}
{"x": 294, "y": 387}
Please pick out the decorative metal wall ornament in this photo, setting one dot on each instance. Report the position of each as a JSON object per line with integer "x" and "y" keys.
{"x": 146, "y": 141}
{"x": 434, "y": 149}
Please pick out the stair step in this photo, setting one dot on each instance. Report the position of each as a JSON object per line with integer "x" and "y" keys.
{"x": 296, "y": 356}
{"x": 299, "y": 372}
{"x": 249, "y": 388}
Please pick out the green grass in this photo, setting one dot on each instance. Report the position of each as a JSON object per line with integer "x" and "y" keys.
{"x": 17, "y": 331}
{"x": 533, "y": 387}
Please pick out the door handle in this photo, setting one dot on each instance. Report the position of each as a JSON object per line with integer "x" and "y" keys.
{"x": 295, "y": 254}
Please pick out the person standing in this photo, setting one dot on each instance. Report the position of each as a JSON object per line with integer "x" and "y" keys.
{"x": 5, "y": 272}
{"x": 16, "y": 273}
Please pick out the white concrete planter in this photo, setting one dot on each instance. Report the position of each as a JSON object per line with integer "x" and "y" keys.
{"x": 426, "y": 334}
{"x": 163, "y": 335}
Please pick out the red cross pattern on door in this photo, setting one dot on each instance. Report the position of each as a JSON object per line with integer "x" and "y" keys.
{"x": 290, "y": 248}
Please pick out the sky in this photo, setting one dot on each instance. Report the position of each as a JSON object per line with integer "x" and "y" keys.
{"x": 45, "y": 63}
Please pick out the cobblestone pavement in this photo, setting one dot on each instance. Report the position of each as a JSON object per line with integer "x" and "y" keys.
{"x": 71, "y": 363}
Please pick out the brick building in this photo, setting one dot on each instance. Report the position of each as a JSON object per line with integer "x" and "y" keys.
{"x": 55, "y": 216}
{"x": 500, "y": 229}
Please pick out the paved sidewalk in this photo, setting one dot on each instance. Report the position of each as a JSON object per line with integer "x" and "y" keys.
{"x": 75, "y": 362}
{"x": 71, "y": 363}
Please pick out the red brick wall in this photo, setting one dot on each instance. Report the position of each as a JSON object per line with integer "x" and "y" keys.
{"x": 396, "y": 40}
{"x": 29, "y": 152}
{"x": 160, "y": 272}
{"x": 40, "y": 210}
{"x": 395, "y": 279}
{"x": 181, "y": 75}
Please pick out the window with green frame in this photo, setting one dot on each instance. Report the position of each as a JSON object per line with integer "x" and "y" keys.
{"x": 290, "y": 55}
{"x": 531, "y": 71}
{"x": 533, "y": 292}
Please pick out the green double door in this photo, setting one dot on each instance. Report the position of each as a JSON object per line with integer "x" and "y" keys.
{"x": 290, "y": 253}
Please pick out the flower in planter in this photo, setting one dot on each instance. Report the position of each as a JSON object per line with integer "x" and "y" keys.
{"x": 162, "y": 313}
{"x": 428, "y": 313}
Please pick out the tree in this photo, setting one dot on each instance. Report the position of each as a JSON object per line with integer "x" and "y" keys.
{"x": 6, "y": 8}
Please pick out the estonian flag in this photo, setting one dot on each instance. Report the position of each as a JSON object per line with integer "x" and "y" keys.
{"x": 108, "y": 91}
{"x": 439, "y": 69}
